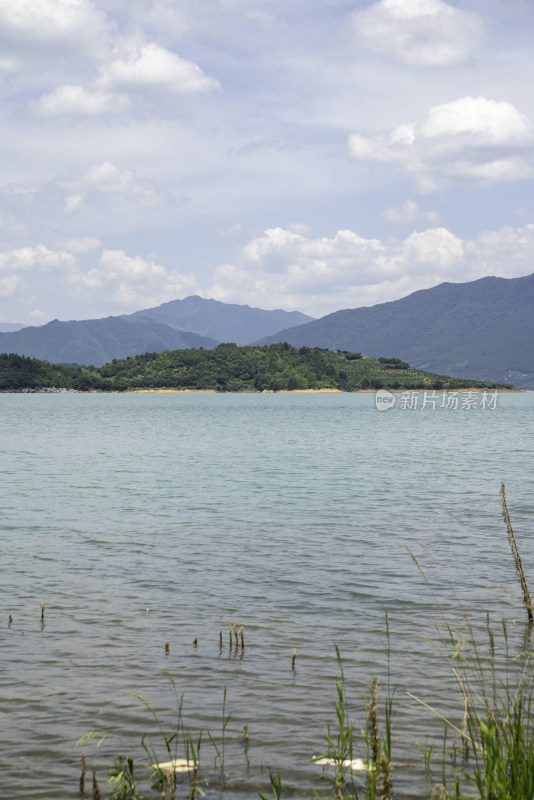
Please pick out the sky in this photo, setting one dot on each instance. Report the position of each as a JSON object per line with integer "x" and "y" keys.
{"x": 311, "y": 155}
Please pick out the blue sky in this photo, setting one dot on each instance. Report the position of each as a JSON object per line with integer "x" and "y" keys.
{"x": 310, "y": 156}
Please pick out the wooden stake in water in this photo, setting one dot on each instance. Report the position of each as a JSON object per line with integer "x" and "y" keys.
{"x": 293, "y": 657}
{"x": 527, "y": 602}
{"x": 167, "y": 647}
{"x": 220, "y": 639}
{"x": 42, "y": 612}
{"x": 241, "y": 636}
{"x": 195, "y": 642}
{"x": 230, "y": 631}
{"x": 82, "y": 776}
{"x": 10, "y": 621}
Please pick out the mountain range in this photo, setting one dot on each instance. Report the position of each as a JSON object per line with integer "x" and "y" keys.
{"x": 483, "y": 329}
{"x": 180, "y": 324}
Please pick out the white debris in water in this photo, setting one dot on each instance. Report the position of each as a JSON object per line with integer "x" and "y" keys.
{"x": 176, "y": 765}
{"x": 356, "y": 764}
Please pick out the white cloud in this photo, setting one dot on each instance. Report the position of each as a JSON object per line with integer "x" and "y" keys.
{"x": 107, "y": 179}
{"x": 18, "y": 198}
{"x": 152, "y": 67}
{"x": 471, "y": 138}
{"x": 320, "y": 275}
{"x": 506, "y": 252}
{"x": 39, "y": 257}
{"x": 31, "y": 25}
{"x": 81, "y": 244}
{"x": 114, "y": 280}
{"x": 409, "y": 214}
{"x": 74, "y": 202}
{"x": 427, "y": 32}
{"x": 167, "y": 18}
{"x": 116, "y": 264}
{"x": 8, "y": 286}
{"x": 131, "y": 282}
{"x": 72, "y": 100}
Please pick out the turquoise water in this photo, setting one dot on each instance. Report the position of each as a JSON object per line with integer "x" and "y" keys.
{"x": 142, "y": 519}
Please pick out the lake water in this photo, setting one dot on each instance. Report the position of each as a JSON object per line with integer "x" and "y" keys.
{"x": 142, "y": 519}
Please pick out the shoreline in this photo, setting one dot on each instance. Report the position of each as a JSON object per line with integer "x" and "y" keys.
{"x": 474, "y": 389}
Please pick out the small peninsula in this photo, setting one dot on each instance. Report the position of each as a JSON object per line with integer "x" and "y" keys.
{"x": 231, "y": 368}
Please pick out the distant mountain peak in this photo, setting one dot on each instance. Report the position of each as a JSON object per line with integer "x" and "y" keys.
{"x": 228, "y": 322}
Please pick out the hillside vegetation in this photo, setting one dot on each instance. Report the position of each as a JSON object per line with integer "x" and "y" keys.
{"x": 230, "y": 368}
{"x": 483, "y": 329}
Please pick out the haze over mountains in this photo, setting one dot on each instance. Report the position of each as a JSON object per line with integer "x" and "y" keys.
{"x": 180, "y": 324}
{"x": 483, "y": 329}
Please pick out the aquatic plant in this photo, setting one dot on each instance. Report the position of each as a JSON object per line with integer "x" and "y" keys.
{"x": 164, "y": 772}
{"x": 122, "y": 781}
{"x": 341, "y": 743}
{"x": 220, "y": 748}
{"x": 276, "y": 785}
{"x": 496, "y": 724}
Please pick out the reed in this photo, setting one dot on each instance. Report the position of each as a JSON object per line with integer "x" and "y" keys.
{"x": 293, "y": 658}
{"x": 164, "y": 775}
{"x": 192, "y": 755}
{"x": 220, "y": 748}
{"x": 372, "y": 722}
{"x": 527, "y": 602}
{"x": 340, "y": 744}
{"x": 497, "y": 715}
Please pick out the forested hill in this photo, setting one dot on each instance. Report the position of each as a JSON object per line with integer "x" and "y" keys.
{"x": 230, "y": 368}
{"x": 482, "y": 329}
